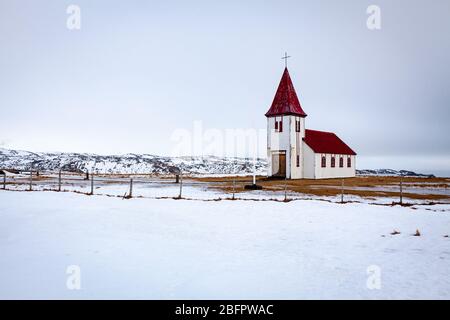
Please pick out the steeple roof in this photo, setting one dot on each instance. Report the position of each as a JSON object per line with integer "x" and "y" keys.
{"x": 286, "y": 100}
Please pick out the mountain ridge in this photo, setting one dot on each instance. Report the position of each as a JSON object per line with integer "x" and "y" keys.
{"x": 132, "y": 163}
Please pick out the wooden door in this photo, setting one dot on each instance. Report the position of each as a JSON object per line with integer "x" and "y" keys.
{"x": 279, "y": 164}
{"x": 282, "y": 165}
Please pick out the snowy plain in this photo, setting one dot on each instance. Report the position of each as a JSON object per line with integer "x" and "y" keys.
{"x": 185, "y": 249}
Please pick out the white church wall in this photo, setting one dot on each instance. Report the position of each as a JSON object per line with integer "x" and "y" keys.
{"x": 309, "y": 162}
{"x": 296, "y": 142}
{"x": 288, "y": 140}
{"x": 278, "y": 141}
{"x": 328, "y": 172}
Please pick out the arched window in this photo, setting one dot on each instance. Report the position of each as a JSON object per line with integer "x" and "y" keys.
{"x": 349, "y": 162}
{"x": 341, "y": 162}
{"x": 324, "y": 162}
{"x": 333, "y": 161}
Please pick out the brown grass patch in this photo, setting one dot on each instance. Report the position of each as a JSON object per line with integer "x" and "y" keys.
{"x": 331, "y": 187}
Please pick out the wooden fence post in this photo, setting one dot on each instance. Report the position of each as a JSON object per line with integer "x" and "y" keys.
{"x": 4, "y": 180}
{"x": 181, "y": 185}
{"x": 31, "y": 180}
{"x": 401, "y": 190}
{"x": 59, "y": 180}
{"x": 131, "y": 188}
{"x": 342, "y": 190}
{"x": 285, "y": 189}
{"x": 92, "y": 183}
{"x": 234, "y": 186}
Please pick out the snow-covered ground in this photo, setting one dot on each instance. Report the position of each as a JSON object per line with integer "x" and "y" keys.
{"x": 181, "y": 249}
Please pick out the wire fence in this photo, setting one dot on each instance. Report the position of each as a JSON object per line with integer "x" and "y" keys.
{"x": 178, "y": 186}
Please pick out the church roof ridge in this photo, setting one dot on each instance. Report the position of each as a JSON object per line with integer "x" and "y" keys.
{"x": 326, "y": 142}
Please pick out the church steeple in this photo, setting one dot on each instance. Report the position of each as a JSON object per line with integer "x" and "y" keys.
{"x": 286, "y": 101}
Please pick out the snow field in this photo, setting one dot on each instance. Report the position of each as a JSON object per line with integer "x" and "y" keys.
{"x": 180, "y": 249}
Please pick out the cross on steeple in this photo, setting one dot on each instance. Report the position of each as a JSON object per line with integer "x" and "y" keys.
{"x": 285, "y": 59}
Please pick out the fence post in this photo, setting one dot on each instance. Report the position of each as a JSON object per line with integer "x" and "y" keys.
{"x": 401, "y": 190}
{"x": 92, "y": 183}
{"x": 342, "y": 190}
{"x": 131, "y": 188}
{"x": 4, "y": 180}
{"x": 31, "y": 180}
{"x": 59, "y": 180}
{"x": 234, "y": 186}
{"x": 181, "y": 185}
{"x": 285, "y": 188}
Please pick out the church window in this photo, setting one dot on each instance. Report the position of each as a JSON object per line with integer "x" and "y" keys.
{"x": 278, "y": 125}
{"x": 333, "y": 161}
{"x": 341, "y": 162}
{"x": 349, "y": 162}
{"x": 297, "y": 125}
{"x": 324, "y": 162}
{"x": 298, "y": 161}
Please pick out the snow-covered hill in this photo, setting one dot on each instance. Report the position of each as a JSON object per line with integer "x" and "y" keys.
{"x": 128, "y": 163}
{"x": 391, "y": 172}
{"x": 146, "y": 163}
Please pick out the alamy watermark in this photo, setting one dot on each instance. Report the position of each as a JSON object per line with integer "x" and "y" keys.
{"x": 73, "y": 281}
{"x": 374, "y": 277}
{"x": 230, "y": 142}
{"x": 374, "y": 20}
{"x": 73, "y": 21}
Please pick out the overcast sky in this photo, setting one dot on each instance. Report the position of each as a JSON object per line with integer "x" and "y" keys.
{"x": 137, "y": 71}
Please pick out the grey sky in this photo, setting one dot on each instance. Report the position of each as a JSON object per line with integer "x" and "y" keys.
{"x": 138, "y": 70}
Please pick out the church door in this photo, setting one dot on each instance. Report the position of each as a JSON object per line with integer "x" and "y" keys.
{"x": 279, "y": 164}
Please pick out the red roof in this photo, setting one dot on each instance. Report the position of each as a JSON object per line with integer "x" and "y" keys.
{"x": 326, "y": 142}
{"x": 285, "y": 101}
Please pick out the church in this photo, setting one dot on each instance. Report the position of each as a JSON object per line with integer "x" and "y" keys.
{"x": 295, "y": 152}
